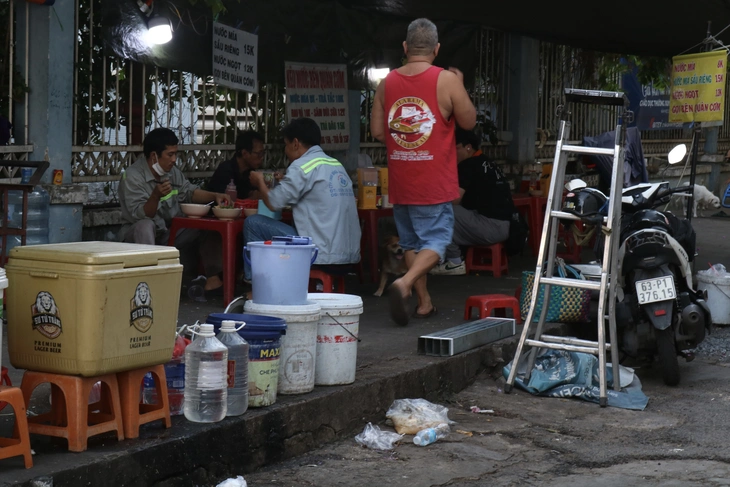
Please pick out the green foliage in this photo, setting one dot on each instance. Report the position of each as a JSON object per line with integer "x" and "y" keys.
{"x": 217, "y": 7}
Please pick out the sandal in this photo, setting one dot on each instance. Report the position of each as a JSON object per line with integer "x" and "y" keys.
{"x": 423, "y": 316}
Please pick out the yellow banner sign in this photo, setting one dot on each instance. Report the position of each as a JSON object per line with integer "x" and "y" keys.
{"x": 698, "y": 87}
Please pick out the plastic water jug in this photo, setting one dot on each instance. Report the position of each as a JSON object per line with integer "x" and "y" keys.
{"x": 206, "y": 390}
{"x": 39, "y": 202}
{"x": 237, "y": 367}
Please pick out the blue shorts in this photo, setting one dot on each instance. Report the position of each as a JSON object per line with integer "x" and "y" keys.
{"x": 425, "y": 226}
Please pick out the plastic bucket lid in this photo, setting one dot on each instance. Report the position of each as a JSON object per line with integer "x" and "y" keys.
{"x": 302, "y": 313}
{"x": 256, "y": 325}
{"x": 338, "y": 304}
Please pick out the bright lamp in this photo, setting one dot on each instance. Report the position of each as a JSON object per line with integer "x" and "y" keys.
{"x": 160, "y": 30}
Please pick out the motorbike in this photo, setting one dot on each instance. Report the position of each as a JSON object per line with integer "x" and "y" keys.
{"x": 658, "y": 311}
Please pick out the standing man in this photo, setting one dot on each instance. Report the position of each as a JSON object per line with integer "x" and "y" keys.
{"x": 484, "y": 212}
{"x": 320, "y": 193}
{"x": 150, "y": 194}
{"x": 414, "y": 113}
{"x": 248, "y": 157}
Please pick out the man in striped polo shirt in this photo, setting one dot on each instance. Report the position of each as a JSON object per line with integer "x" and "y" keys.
{"x": 320, "y": 193}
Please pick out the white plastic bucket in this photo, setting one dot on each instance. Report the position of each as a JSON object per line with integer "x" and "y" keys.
{"x": 337, "y": 333}
{"x": 280, "y": 272}
{"x": 298, "y": 346}
{"x": 718, "y": 296}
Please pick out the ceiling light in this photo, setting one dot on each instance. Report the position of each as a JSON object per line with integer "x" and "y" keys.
{"x": 160, "y": 30}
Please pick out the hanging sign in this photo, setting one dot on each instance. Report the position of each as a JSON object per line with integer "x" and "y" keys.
{"x": 235, "y": 58}
{"x": 698, "y": 87}
{"x": 319, "y": 92}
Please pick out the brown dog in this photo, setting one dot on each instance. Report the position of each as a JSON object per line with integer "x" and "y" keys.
{"x": 392, "y": 261}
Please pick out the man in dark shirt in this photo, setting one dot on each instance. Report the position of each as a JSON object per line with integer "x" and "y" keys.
{"x": 483, "y": 212}
{"x": 249, "y": 156}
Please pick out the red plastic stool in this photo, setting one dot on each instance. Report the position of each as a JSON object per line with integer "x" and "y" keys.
{"x": 331, "y": 283}
{"x": 4, "y": 380}
{"x": 19, "y": 443}
{"x": 492, "y": 258}
{"x": 487, "y": 303}
{"x": 133, "y": 411}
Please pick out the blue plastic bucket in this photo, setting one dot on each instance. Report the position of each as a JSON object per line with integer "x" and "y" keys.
{"x": 263, "y": 334}
{"x": 280, "y": 271}
{"x": 264, "y": 210}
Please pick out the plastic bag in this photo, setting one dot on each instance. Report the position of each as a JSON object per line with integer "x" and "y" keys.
{"x": 373, "y": 437}
{"x": 237, "y": 482}
{"x": 410, "y": 416}
{"x": 717, "y": 270}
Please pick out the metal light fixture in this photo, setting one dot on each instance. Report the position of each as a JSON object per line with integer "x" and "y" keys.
{"x": 160, "y": 30}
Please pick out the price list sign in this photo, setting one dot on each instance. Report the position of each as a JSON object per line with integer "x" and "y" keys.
{"x": 319, "y": 92}
{"x": 698, "y": 87}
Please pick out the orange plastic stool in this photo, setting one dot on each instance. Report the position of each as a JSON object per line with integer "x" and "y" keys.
{"x": 492, "y": 258}
{"x": 331, "y": 283}
{"x": 4, "y": 380}
{"x": 486, "y": 303}
{"x": 134, "y": 412}
{"x": 19, "y": 444}
{"x": 72, "y": 417}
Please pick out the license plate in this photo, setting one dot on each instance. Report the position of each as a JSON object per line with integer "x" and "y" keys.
{"x": 656, "y": 289}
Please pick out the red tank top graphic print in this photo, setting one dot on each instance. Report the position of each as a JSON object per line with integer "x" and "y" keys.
{"x": 419, "y": 141}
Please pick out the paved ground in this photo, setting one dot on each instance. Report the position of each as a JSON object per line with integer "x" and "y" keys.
{"x": 388, "y": 367}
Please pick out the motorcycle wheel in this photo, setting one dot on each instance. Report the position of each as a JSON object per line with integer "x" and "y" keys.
{"x": 667, "y": 352}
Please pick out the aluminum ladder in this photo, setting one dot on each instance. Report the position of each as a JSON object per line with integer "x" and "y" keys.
{"x": 548, "y": 246}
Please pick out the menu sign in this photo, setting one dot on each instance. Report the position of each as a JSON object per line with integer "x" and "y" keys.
{"x": 235, "y": 58}
{"x": 698, "y": 87}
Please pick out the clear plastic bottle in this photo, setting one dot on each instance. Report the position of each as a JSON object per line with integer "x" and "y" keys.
{"x": 237, "y": 368}
{"x": 206, "y": 391}
{"x": 232, "y": 191}
{"x": 175, "y": 374}
{"x": 430, "y": 435}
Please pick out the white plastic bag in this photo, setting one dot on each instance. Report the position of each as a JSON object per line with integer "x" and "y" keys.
{"x": 373, "y": 437}
{"x": 237, "y": 482}
{"x": 410, "y": 416}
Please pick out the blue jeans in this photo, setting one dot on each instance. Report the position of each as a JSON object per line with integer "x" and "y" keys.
{"x": 259, "y": 228}
{"x": 423, "y": 227}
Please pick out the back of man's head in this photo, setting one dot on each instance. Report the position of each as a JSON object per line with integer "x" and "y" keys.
{"x": 467, "y": 137}
{"x": 158, "y": 140}
{"x": 305, "y": 130}
{"x": 422, "y": 37}
{"x": 245, "y": 140}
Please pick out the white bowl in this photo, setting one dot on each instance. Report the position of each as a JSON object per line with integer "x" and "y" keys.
{"x": 193, "y": 210}
{"x": 250, "y": 211}
{"x": 226, "y": 213}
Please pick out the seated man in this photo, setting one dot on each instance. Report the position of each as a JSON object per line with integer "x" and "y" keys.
{"x": 248, "y": 157}
{"x": 483, "y": 213}
{"x": 320, "y": 193}
{"x": 150, "y": 194}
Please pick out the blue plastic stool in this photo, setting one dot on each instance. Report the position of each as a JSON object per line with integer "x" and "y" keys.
{"x": 726, "y": 197}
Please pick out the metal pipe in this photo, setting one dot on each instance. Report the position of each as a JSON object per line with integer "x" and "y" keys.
{"x": 27, "y": 62}
{"x": 693, "y": 170}
{"x": 11, "y": 67}
{"x": 76, "y": 74}
{"x": 116, "y": 103}
{"x": 103, "y": 98}
{"x": 169, "y": 98}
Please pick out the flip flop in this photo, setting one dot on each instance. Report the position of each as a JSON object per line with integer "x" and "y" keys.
{"x": 398, "y": 310}
{"x": 423, "y": 316}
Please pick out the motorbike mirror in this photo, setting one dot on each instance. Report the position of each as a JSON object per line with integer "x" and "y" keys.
{"x": 677, "y": 154}
{"x": 575, "y": 184}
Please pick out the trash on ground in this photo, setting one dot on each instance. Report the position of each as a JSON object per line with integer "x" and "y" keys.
{"x": 430, "y": 435}
{"x": 465, "y": 433}
{"x": 410, "y": 416}
{"x": 717, "y": 270}
{"x": 375, "y": 438}
{"x": 237, "y": 482}
{"x": 475, "y": 409}
{"x": 558, "y": 373}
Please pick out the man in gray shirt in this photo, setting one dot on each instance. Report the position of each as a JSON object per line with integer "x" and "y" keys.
{"x": 150, "y": 194}
{"x": 320, "y": 193}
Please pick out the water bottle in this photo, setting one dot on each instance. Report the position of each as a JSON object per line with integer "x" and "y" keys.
{"x": 430, "y": 435}
{"x": 15, "y": 199}
{"x": 36, "y": 228}
{"x": 232, "y": 191}
{"x": 237, "y": 368}
{"x": 175, "y": 375}
{"x": 206, "y": 391}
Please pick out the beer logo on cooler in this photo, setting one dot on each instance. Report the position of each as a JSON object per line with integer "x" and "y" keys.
{"x": 410, "y": 121}
{"x": 46, "y": 317}
{"x": 140, "y": 315}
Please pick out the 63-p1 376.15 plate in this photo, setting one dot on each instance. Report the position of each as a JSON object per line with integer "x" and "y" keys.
{"x": 656, "y": 289}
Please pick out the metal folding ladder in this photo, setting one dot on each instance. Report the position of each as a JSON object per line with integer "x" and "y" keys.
{"x": 548, "y": 246}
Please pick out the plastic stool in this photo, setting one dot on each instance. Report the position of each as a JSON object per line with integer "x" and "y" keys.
{"x": 486, "y": 303}
{"x": 134, "y": 412}
{"x": 487, "y": 258}
{"x": 72, "y": 417}
{"x": 4, "y": 380}
{"x": 331, "y": 283}
{"x": 19, "y": 444}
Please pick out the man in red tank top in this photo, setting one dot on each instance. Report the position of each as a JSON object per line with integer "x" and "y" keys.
{"x": 414, "y": 112}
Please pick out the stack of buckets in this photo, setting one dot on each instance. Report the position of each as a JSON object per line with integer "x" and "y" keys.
{"x": 319, "y": 346}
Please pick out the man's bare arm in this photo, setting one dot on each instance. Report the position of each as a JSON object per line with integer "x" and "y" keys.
{"x": 464, "y": 112}
{"x": 377, "y": 116}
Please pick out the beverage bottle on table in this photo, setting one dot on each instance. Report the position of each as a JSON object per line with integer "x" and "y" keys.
{"x": 206, "y": 391}
{"x": 430, "y": 435}
{"x": 232, "y": 191}
{"x": 237, "y": 368}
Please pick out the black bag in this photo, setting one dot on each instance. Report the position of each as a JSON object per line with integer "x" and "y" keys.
{"x": 518, "y": 232}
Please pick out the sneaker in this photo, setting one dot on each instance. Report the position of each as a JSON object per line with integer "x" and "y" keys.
{"x": 449, "y": 269}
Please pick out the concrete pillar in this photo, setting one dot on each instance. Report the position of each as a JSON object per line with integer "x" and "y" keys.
{"x": 524, "y": 62}
{"x": 50, "y": 64}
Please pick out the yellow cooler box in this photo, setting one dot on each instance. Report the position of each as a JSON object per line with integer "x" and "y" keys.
{"x": 91, "y": 308}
